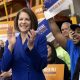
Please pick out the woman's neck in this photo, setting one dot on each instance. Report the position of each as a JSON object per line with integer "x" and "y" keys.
{"x": 23, "y": 37}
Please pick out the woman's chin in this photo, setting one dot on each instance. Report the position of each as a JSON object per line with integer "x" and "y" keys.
{"x": 24, "y": 31}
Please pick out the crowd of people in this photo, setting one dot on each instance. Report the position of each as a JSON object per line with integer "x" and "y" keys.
{"x": 71, "y": 45}
{"x": 53, "y": 59}
{"x": 24, "y": 57}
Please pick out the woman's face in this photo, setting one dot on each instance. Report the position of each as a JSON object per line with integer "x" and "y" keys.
{"x": 24, "y": 22}
{"x": 75, "y": 35}
{"x": 49, "y": 50}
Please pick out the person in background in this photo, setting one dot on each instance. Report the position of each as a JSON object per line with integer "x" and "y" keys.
{"x": 25, "y": 54}
{"x": 61, "y": 53}
{"x": 65, "y": 27}
{"x": 75, "y": 34}
{"x": 72, "y": 46}
{"x": 1, "y": 52}
{"x": 3, "y": 75}
{"x": 1, "y": 48}
{"x": 53, "y": 59}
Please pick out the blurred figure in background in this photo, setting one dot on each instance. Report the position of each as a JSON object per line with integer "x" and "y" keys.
{"x": 65, "y": 29}
{"x": 3, "y": 75}
{"x": 1, "y": 52}
{"x": 61, "y": 53}
{"x": 53, "y": 59}
{"x": 72, "y": 46}
{"x": 1, "y": 48}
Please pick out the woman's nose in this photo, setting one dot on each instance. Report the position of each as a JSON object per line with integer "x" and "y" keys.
{"x": 23, "y": 21}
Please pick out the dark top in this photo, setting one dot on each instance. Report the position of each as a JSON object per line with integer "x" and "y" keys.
{"x": 56, "y": 60}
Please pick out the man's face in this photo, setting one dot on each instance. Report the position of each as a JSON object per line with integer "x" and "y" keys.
{"x": 65, "y": 30}
{"x": 76, "y": 36}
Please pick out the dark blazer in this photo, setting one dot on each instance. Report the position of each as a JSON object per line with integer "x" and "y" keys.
{"x": 26, "y": 64}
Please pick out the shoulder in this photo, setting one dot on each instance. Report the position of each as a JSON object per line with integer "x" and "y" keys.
{"x": 69, "y": 41}
{"x": 59, "y": 61}
{"x": 69, "y": 45}
{"x": 62, "y": 62}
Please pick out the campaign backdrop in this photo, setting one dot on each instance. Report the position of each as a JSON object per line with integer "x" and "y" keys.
{"x": 55, "y": 6}
{"x": 43, "y": 25}
{"x": 54, "y": 72}
{"x": 3, "y": 29}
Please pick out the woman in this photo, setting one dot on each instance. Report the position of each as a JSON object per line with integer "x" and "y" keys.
{"x": 53, "y": 59}
{"x": 1, "y": 52}
{"x": 27, "y": 53}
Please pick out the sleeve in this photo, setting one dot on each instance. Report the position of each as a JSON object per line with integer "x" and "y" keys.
{"x": 38, "y": 54}
{"x": 69, "y": 46}
{"x": 6, "y": 59}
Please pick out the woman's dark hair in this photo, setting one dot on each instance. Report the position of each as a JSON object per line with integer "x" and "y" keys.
{"x": 53, "y": 54}
{"x": 33, "y": 18}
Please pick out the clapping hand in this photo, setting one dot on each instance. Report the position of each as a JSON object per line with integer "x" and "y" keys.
{"x": 31, "y": 37}
{"x": 11, "y": 38}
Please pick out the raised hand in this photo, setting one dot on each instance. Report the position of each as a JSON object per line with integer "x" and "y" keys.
{"x": 74, "y": 36}
{"x": 71, "y": 34}
{"x": 31, "y": 37}
{"x": 11, "y": 38}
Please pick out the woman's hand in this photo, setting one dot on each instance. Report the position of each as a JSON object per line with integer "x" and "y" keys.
{"x": 11, "y": 38}
{"x": 5, "y": 74}
{"x": 31, "y": 37}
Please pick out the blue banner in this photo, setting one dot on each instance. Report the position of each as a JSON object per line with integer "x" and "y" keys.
{"x": 43, "y": 27}
{"x": 55, "y": 6}
{"x": 49, "y": 3}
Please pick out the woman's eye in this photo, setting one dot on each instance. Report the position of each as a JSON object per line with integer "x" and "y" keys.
{"x": 20, "y": 19}
{"x": 27, "y": 19}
